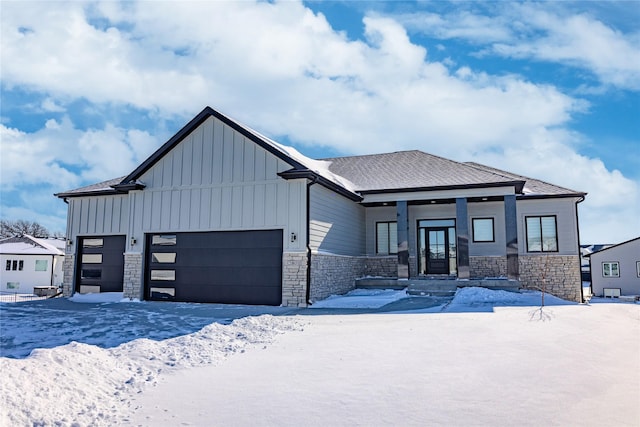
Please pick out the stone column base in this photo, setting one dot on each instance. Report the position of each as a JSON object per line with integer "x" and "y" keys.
{"x": 132, "y": 279}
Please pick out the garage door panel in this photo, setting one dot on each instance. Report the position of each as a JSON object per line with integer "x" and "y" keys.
{"x": 101, "y": 263}
{"x": 241, "y": 267}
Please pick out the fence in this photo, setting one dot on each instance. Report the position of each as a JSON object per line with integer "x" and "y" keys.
{"x": 7, "y": 296}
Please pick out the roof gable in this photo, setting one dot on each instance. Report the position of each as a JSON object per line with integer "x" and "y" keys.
{"x": 614, "y": 246}
{"x": 28, "y": 245}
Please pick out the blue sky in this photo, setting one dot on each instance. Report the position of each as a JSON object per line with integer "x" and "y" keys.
{"x": 544, "y": 89}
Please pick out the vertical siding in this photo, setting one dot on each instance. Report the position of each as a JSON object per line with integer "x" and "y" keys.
{"x": 216, "y": 179}
{"x": 99, "y": 215}
{"x": 565, "y": 212}
{"x": 337, "y": 225}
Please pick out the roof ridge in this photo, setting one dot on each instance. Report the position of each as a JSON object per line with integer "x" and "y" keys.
{"x": 514, "y": 175}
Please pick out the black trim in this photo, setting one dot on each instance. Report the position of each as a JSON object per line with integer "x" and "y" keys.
{"x": 125, "y": 187}
{"x": 109, "y": 192}
{"x": 526, "y": 232}
{"x": 550, "y": 196}
{"x": 493, "y": 230}
{"x": 517, "y": 184}
{"x": 190, "y": 127}
{"x": 317, "y": 178}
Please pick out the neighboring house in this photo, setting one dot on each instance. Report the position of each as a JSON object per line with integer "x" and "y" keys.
{"x": 585, "y": 253}
{"x": 27, "y": 262}
{"x": 615, "y": 270}
{"x": 220, "y": 213}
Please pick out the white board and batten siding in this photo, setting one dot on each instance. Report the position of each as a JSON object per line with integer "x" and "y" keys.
{"x": 97, "y": 216}
{"x": 213, "y": 180}
{"x": 337, "y": 224}
{"x": 218, "y": 180}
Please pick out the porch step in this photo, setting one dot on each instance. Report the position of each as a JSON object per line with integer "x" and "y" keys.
{"x": 434, "y": 288}
{"x": 437, "y": 287}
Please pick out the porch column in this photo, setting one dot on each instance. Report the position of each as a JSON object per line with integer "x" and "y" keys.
{"x": 511, "y": 233}
{"x": 462, "y": 237}
{"x": 403, "y": 239}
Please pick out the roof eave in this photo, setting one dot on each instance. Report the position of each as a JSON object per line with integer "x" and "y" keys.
{"x": 314, "y": 177}
{"x": 105, "y": 192}
{"x": 518, "y": 186}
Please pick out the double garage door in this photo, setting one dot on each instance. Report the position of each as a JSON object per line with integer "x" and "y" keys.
{"x": 232, "y": 267}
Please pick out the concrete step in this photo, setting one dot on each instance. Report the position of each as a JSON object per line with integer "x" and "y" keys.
{"x": 434, "y": 288}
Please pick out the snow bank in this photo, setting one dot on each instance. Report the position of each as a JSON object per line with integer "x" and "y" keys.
{"x": 81, "y": 384}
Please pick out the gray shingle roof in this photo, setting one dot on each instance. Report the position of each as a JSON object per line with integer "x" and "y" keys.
{"x": 411, "y": 169}
{"x": 100, "y": 187}
{"x": 532, "y": 186}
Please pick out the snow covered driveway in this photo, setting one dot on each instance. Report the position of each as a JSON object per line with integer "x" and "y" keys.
{"x": 485, "y": 358}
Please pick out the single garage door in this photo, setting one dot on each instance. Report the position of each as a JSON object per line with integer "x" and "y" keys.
{"x": 100, "y": 264}
{"x": 231, "y": 267}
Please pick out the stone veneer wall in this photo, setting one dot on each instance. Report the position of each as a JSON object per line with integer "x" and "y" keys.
{"x": 488, "y": 266}
{"x": 559, "y": 273}
{"x": 381, "y": 266}
{"x": 67, "y": 274}
{"x": 294, "y": 279}
{"x": 334, "y": 274}
{"x": 132, "y": 279}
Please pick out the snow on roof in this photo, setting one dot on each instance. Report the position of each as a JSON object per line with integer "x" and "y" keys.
{"x": 29, "y": 245}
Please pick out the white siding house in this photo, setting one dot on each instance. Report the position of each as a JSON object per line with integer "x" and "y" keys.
{"x": 27, "y": 262}
{"x": 616, "y": 269}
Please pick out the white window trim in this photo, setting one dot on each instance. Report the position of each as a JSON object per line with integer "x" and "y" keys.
{"x": 610, "y": 264}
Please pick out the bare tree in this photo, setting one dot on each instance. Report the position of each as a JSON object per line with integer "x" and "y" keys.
{"x": 20, "y": 227}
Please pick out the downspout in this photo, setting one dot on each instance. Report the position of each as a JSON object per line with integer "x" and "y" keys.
{"x": 581, "y": 199}
{"x": 309, "y": 184}
{"x": 53, "y": 260}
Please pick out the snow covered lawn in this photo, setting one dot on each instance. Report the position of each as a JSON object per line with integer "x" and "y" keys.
{"x": 485, "y": 358}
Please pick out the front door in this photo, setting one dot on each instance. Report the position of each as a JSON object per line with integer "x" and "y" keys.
{"x": 437, "y": 247}
{"x": 437, "y": 254}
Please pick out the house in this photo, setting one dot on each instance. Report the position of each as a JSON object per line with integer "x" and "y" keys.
{"x": 221, "y": 213}
{"x": 585, "y": 253}
{"x": 615, "y": 270}
{"x": 28, "y": 262}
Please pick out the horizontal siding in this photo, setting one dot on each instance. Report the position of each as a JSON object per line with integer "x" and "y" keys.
{"x": 565, "y": 212}
{"x": 337, "y": 225}
{"x": 493, "y": 210}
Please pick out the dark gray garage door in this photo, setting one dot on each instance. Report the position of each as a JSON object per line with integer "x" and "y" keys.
{"x": 231, "y": 267}
{"x": 100, "y": 264}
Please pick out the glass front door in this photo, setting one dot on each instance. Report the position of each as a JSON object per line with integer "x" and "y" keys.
{"x": 437, "y": 247}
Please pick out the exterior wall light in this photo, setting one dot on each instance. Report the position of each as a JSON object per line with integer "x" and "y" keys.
{"x": 133, "y": 241}
{"x": 294, "y": 237}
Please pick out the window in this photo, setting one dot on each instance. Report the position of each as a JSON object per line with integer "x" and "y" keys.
{"x": 163, "y": 239}
{"x": 169, "y": 275}
{"x": 541, "y": 234}
{"x": 610, "y": 269}
{"x": 14, "y": 264}
{"x": 386, "y": 238}
{"x": 164, "y": 257}
{"x": 638, "y": 268}
{"x": 91, "y": 273}
{"x": 13, "y": 285}
{"x": 91, "y": 258}
{"x": 92, "y": 243}
{"x": 41, "y": 265}
{"x": 482, "y": 229}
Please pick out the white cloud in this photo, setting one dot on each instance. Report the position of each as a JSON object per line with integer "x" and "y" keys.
{"x": 542, "y": 32}
{"x": 284, "y": 71}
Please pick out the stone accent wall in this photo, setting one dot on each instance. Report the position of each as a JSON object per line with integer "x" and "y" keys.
{"x": 294, "y": 279}
{"x": 381, "y": 266}
{"x": 132, "y": 280}
{"x": 67, "y": 274}
{"x": 335, "y": 274}
{"x": 488, "y": 266}
{"x": 560, "y": 275}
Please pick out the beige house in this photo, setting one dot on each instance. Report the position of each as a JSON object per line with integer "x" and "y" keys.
{"x": 221, "y": 213}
